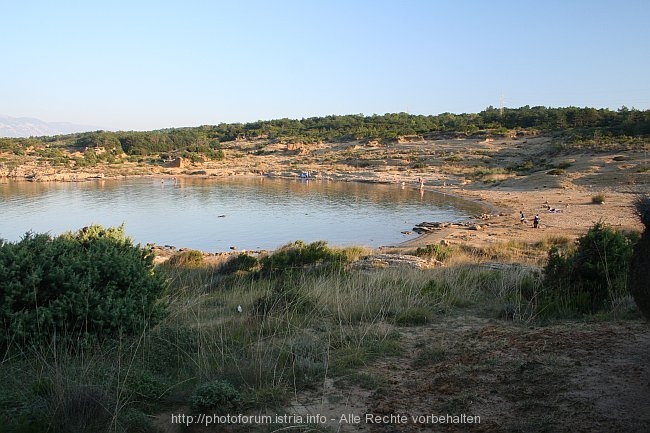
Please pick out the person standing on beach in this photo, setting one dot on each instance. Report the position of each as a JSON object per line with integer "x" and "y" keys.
{"x": 536, "y": 221}
{"x": 522, "y": 218}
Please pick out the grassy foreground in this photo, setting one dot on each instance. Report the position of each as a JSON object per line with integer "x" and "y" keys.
{"x": 265, "y": 336}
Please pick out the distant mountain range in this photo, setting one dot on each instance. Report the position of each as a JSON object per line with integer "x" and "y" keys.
{"x": 30, "y": 127}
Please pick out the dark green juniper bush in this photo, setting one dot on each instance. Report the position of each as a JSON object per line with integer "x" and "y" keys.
{"x": 640, "y": 264}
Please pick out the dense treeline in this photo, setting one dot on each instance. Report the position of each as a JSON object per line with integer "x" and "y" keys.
{"x": 579, "y": 123}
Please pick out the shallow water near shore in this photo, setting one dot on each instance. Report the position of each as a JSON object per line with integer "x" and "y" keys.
{"x": 217, "y": 214}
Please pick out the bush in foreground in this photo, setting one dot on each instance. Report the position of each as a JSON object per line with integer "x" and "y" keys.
{"x": 298, "y": 255}
{"x": 640, "y": 266}
{"x": 586, "y": 278}
{"x": 94, "y": 282}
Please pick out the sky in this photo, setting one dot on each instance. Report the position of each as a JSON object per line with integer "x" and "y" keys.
{"x": 144, "y": 65}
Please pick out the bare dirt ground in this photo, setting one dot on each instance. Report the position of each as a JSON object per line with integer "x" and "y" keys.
{"x": 567, "y": 377}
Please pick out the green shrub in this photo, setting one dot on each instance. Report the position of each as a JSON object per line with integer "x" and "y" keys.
{"x": 523, "y": 167}
{"x": 239, "y": 263}
{"x": 435, "y": 251}
{"x": 144, "y": 388}
{"x": 308, "y": 359}
{"x": 187, "y": 259}
{"x": 297, "y": 255}
{"x": 135, "y": 421}
{"x": 454, "y": 158}
{"x": 593, "y": 273}
{"x": 419, "y": 166}
{"x": 218, "y": 396}
{"x": 598, "y": 199}
{"x": 413, "y": 317}
{"x": 91, "y": 283}
{"x": 640, "y": 265}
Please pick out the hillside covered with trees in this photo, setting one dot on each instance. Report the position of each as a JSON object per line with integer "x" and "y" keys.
{"x": 577, "y": 124}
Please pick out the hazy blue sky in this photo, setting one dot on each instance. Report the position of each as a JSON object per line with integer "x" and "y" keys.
{"x": 141, "y": 64}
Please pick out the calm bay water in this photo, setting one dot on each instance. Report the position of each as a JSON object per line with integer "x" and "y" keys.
{"x": 215, "y": 214}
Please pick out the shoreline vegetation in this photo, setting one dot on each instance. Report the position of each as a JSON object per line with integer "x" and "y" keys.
{"x": 527, "y": 329}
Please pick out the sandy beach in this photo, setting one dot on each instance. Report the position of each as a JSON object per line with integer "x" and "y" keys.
{"x": 567, "y": 212}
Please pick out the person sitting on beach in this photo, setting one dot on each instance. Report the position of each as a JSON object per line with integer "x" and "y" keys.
{"x": 522, "y": 218}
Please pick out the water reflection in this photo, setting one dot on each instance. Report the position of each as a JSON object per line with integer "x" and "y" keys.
{"x": 215, "y": 214}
